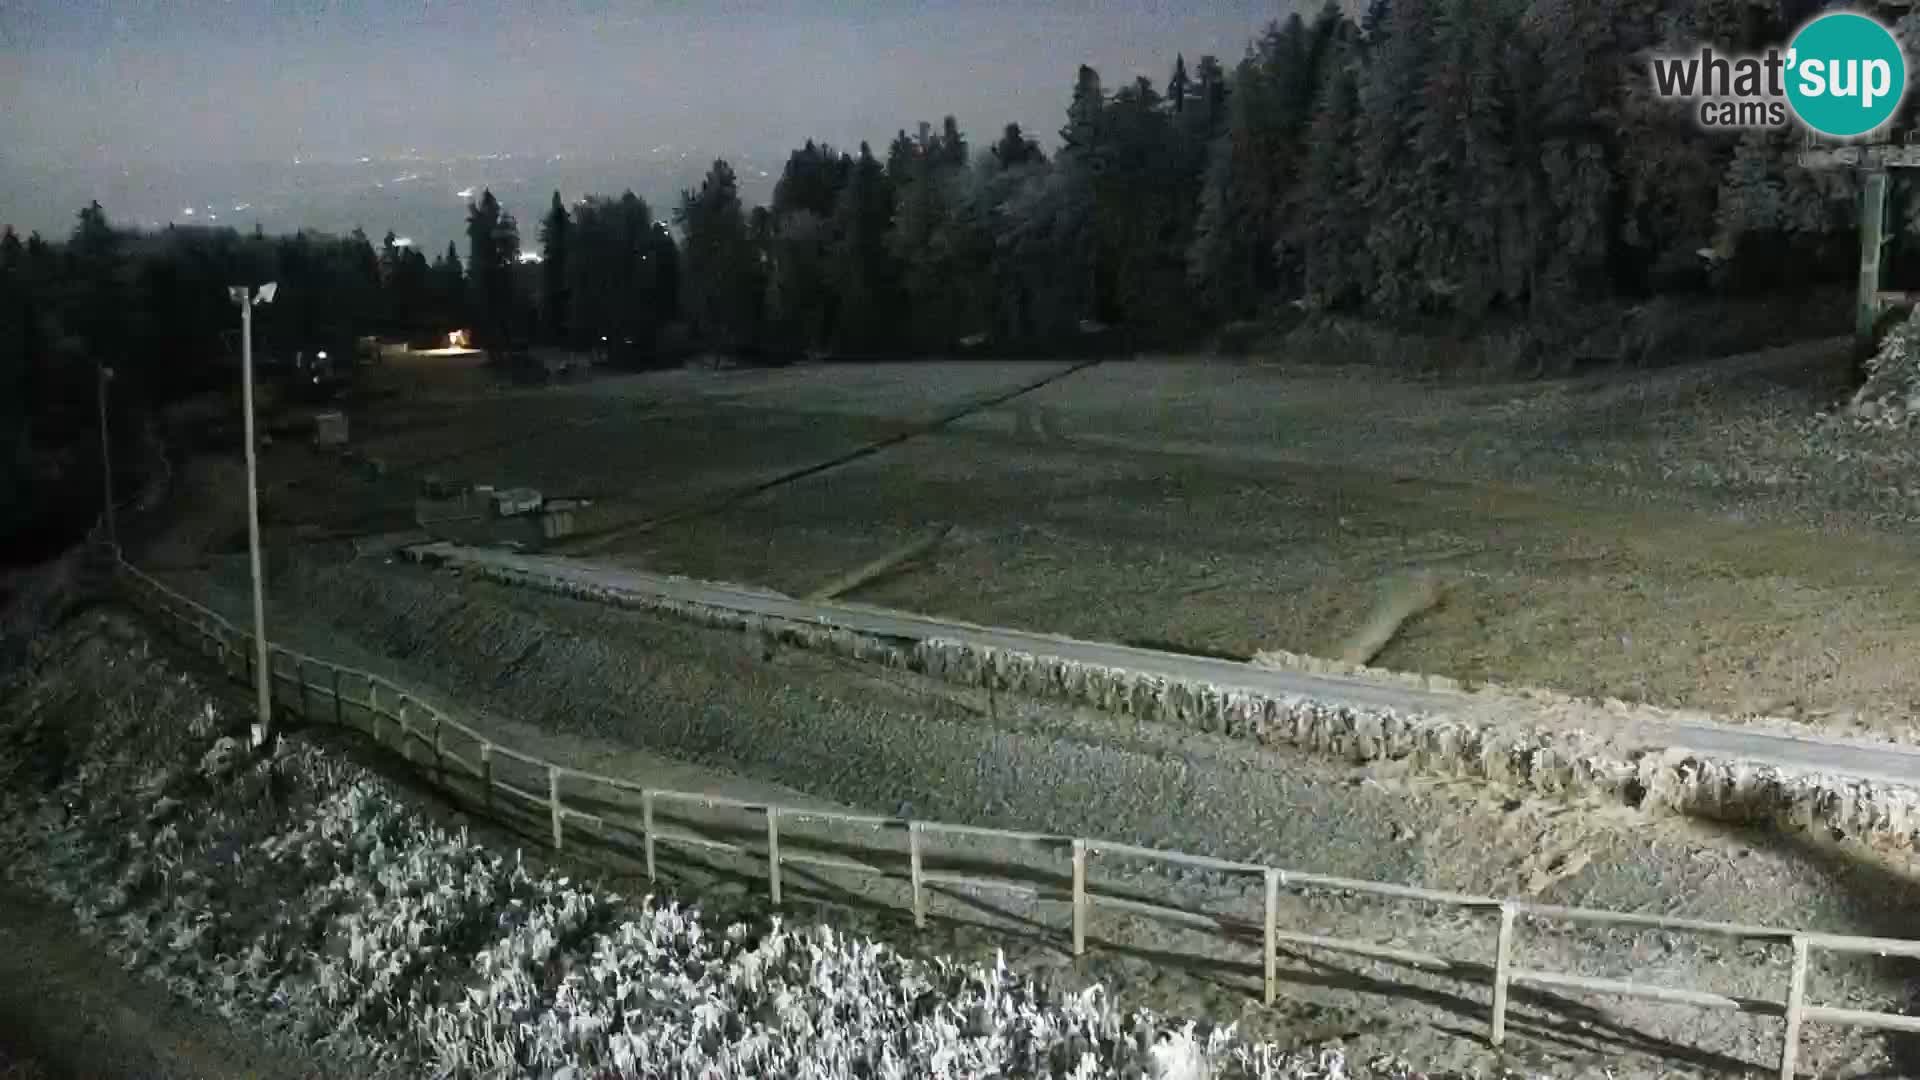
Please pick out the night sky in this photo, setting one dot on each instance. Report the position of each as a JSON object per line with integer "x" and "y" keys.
{"x": 115, "y": 82}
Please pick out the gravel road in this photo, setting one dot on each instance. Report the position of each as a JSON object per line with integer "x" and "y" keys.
{"x": 890, "y": 742}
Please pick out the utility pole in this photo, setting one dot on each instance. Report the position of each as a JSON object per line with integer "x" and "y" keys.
{"x": 106, "y": 460}
{"x": 1872, "y": 226}
{"x": 262, "y": 670}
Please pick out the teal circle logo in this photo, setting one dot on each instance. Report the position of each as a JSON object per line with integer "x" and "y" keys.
{"x": 1845, "y": 74}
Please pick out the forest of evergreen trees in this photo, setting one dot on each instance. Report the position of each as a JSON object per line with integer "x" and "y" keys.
{"x": 1444, "y": 162}
{"x": 1450, "y": 160}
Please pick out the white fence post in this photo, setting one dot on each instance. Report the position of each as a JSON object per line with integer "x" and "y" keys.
{"x": 646, "y": 828}
{"x": 1079, "y": 897}
{"x": 915, "y": 868}
{"x": 1796, "y": 1003}
{"x": 486, "y": 774}
{"x": 773, "y": 854}
{"x": 1502, "y": 961}
{"x": 406, "y": 729}
{"x": 1271, "y": 960}
{"x": 553, "y": 802}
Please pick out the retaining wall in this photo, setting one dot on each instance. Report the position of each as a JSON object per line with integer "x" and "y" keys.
{"x": 1485, "y": 741}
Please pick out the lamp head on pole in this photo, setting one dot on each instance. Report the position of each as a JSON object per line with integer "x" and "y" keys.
{"x": 238, "y": 293}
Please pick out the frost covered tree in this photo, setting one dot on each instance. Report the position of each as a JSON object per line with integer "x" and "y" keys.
{"x": 722, "y": 271}
{"x": 1457, "y": 147}
{"x": 1142, "y": 194}
{"x": 923, "y": 172}
{"x": 865, "y": 275}
{"x": 493, "y": 249}
{"x": 1016, "y": 148}
{"x": 1218, "y": 255}
{"x": 555, "y": 247}
{"x": 620, "y": 271}
{"x": 448, "y": 287}
{"x": 802, "y": 281}
{"x": 1330, "y": 230}
{"x": 1396, "y": 189}
{"x": 1053, "y": 220}
{"x": 1242, "y": 248}
{"x": 1576, "y": 116}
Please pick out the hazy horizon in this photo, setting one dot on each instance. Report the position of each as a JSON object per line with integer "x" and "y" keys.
{"x": 116, "y": 101}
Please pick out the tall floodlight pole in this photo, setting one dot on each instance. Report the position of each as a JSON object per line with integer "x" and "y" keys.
{"x": 106, "y": 461}
{"x": 262, "y": 670}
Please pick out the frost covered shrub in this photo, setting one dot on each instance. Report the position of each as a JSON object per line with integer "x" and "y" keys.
{"x": 303, "y": 895}
{"x": 1891, "y": 394}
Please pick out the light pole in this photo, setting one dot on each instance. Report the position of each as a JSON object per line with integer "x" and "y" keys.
{"x": 106, "y": 461}
{"x": 262, "y": 671}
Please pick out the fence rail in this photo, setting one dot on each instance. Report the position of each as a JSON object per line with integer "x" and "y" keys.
{"x": 318, "y": 690}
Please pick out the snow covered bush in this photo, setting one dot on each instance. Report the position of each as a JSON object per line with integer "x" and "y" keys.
{"x": 303, "y": 894}
{"x": 1891, "y": 394}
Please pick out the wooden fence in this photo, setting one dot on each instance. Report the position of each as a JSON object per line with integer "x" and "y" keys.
{"x": 433, "y": 743}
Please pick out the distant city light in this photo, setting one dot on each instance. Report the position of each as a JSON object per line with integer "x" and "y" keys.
{"x": 530, "y": 256}
{"x": 365, "y": 160}
{"x": 187, "y": 211}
